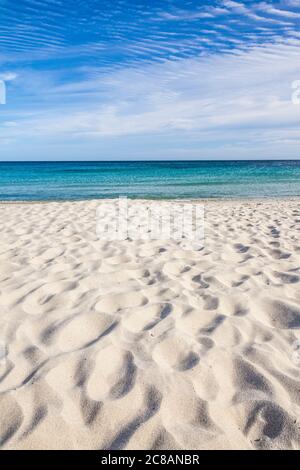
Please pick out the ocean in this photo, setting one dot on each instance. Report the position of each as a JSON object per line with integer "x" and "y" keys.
{"x": 45, "y": 181}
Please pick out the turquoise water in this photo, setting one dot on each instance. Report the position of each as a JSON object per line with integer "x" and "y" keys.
{"x": 89, "y": 180}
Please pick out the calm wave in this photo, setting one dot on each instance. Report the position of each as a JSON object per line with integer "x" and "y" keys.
{"x": 89, "y": 180}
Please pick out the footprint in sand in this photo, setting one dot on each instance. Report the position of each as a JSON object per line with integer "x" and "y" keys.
{"x": 83, "y": 330}
{"x": 277, "y": 313}
{"x": 49, "y": 297}
{"x": 113, "y": 375}
{"x": 145, "y": 318}
{"x": 115, "y": 303}
{"x": 175, "y": 353}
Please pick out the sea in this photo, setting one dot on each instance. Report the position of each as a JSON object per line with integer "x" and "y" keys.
{"x": 61, "y": 181}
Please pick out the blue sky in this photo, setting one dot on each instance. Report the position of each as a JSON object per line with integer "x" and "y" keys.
{"x": 141, "y": 79}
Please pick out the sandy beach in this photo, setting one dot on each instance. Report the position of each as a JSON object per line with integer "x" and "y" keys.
{"x": 140, "y": 344}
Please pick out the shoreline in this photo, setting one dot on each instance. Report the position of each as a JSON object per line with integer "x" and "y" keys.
{"x": 196, "y": 200}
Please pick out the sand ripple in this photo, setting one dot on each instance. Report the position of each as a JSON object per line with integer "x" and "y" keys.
{"x": 145, "y": 344}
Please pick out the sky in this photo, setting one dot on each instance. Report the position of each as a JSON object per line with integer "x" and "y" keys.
{"x": 143, "y": 80}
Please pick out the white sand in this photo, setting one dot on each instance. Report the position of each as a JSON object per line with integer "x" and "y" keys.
{"x": 137, "y": 344}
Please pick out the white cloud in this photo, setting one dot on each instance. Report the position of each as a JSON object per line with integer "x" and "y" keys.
{"x": 206, "y": 12}
{"x": 215, "y": 102}
{"x": 251, "y": 12}
{"x": 245, "y": 92}
{"x": 267, "y": 8}
{"x": 8, "y": 76}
